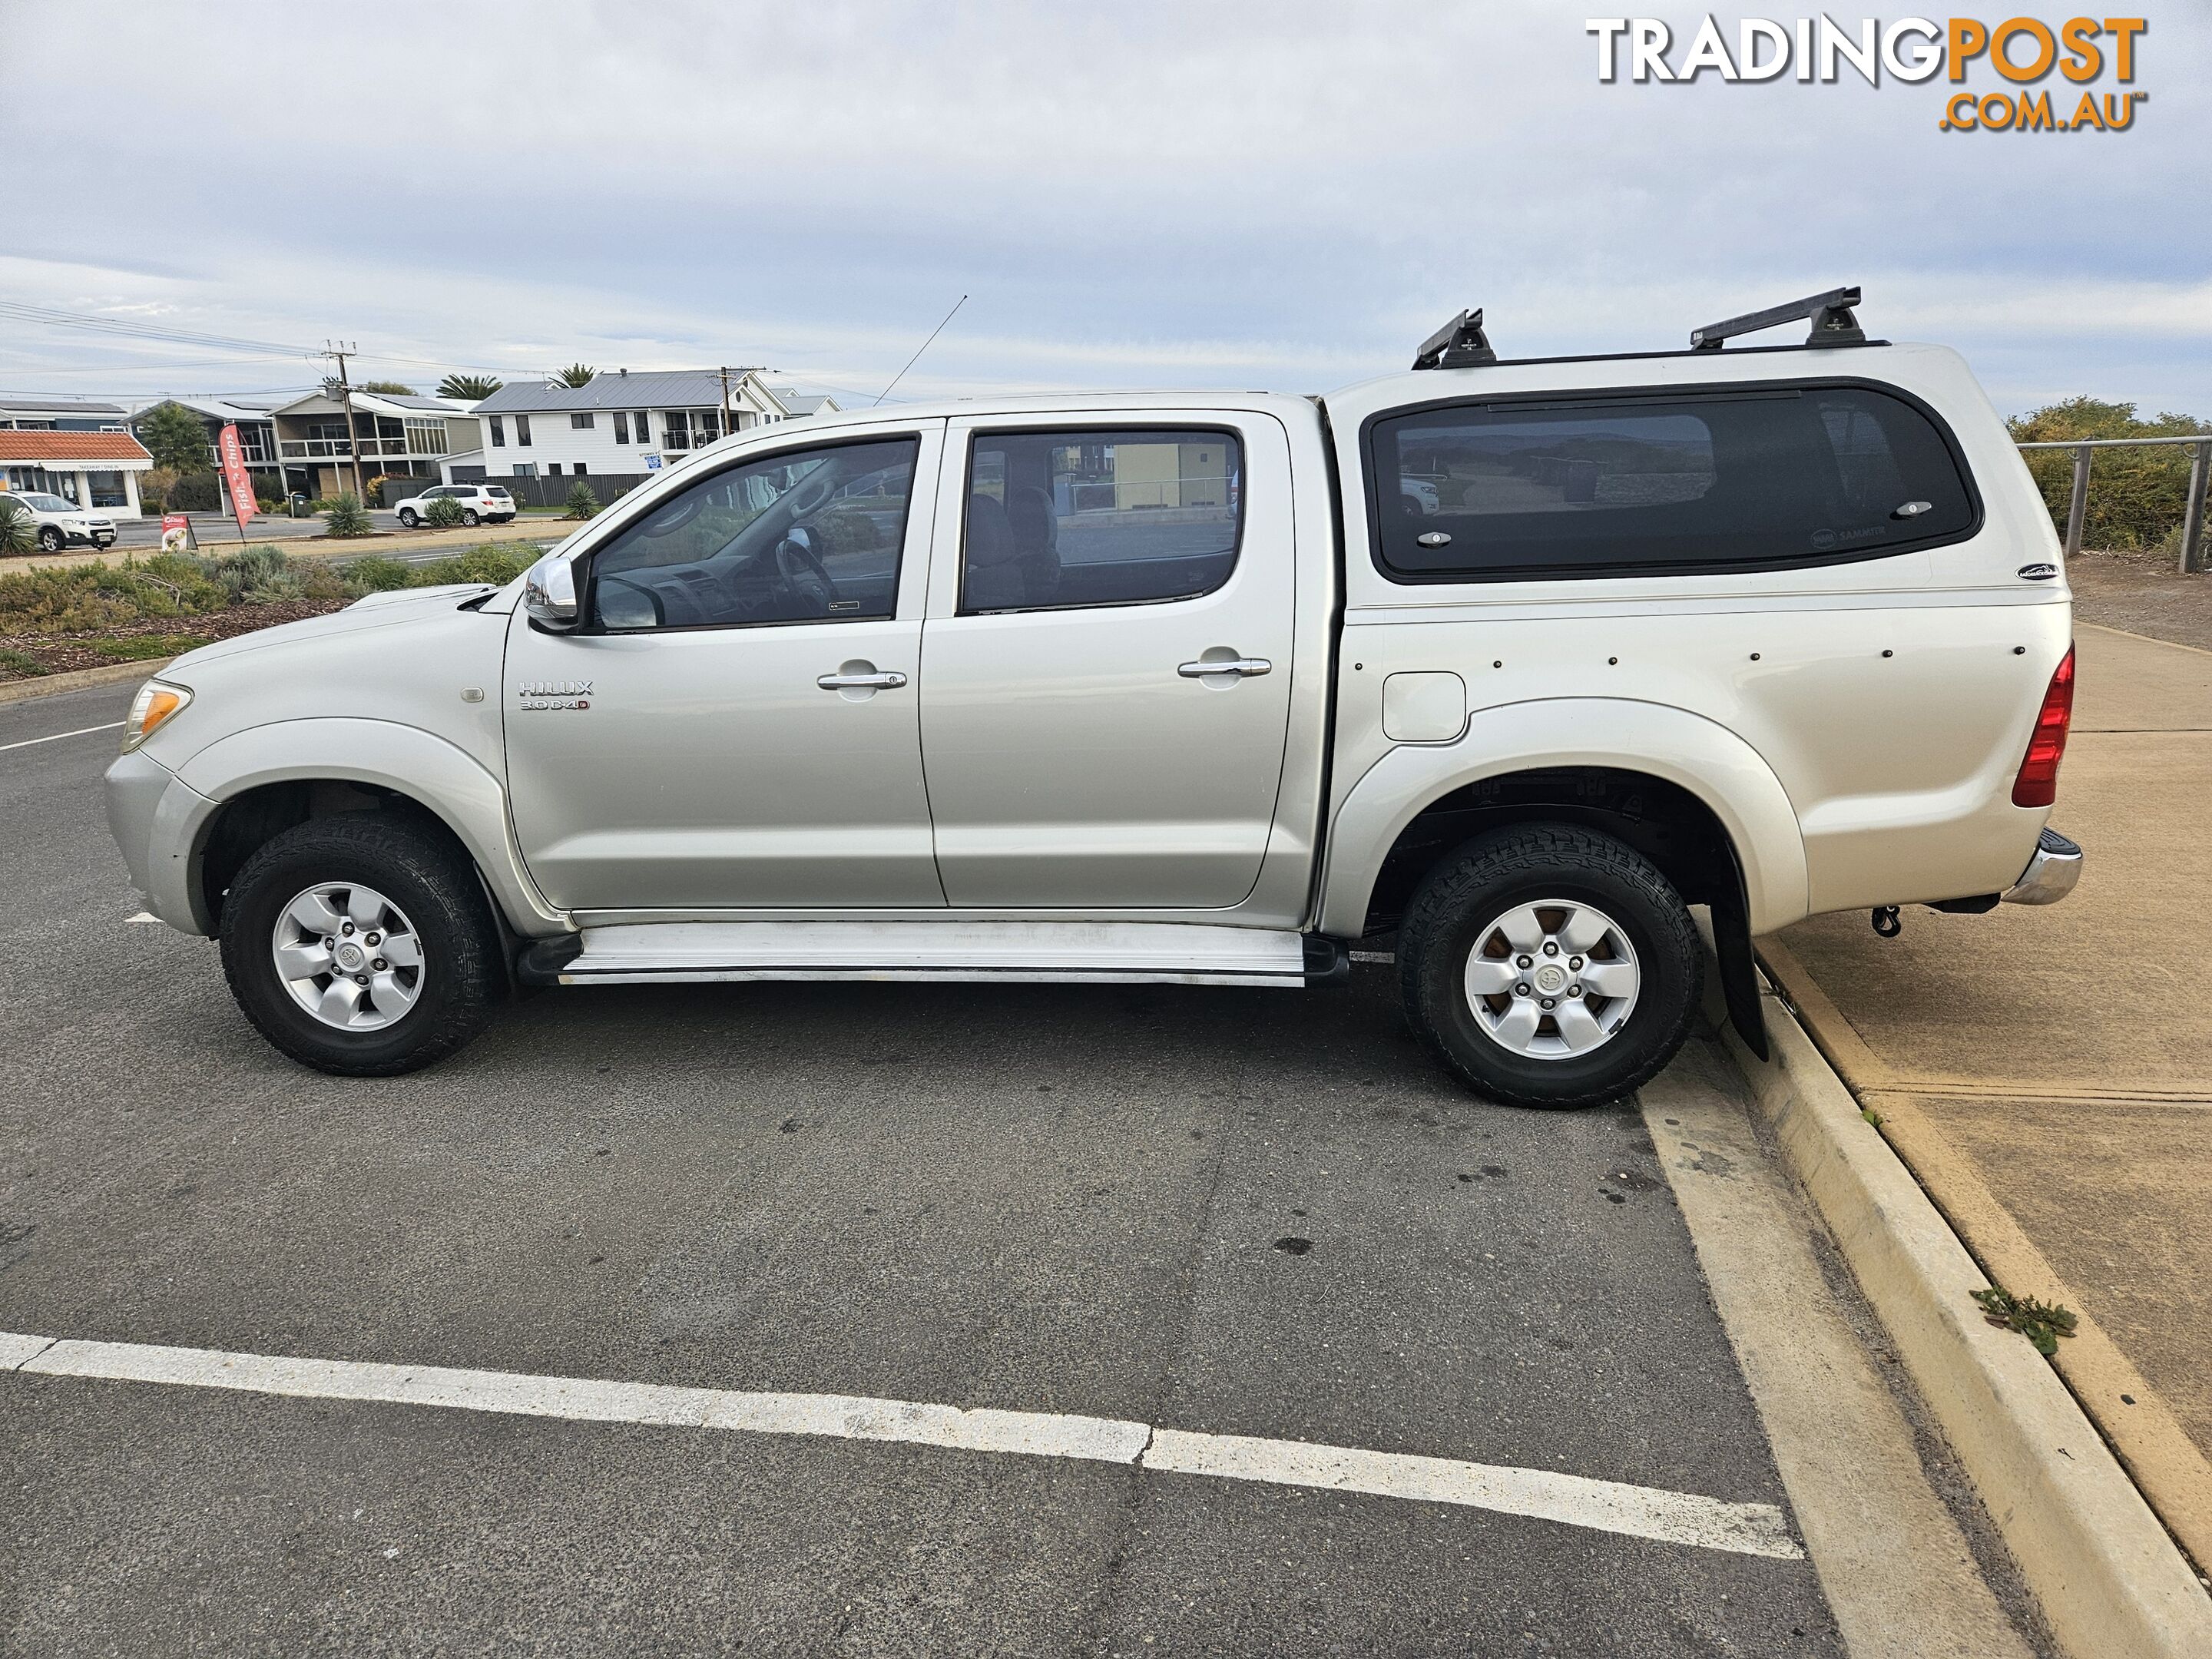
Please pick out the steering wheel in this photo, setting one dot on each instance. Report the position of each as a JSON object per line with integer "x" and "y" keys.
{"x": 800, "y": 574}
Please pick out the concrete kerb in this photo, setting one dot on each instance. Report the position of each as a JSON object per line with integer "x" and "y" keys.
{"x": 48, "y": 685}
{"x": 2109, "y": 1579}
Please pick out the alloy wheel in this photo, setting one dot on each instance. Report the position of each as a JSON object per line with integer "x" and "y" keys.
{"x": 1552, "y": 980}
{"x": 349, "y": 956}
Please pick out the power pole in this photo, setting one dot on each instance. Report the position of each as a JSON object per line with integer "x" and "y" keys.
{"x": 725, "y": 372}
{"x": 332, "y": 349}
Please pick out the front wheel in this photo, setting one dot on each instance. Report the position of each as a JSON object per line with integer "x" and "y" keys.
{"x": 408, "y": 517}
{"x": 1550, "y": 966}
{"x": 50, "y": 540}
{"x": 359, "y": 945}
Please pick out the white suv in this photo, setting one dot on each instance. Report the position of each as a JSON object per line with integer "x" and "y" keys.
{"x": 62, "y": 522}
{"x": 479, "y": 503}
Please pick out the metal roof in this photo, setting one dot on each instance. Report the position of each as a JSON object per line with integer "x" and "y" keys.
{"x": 653, "y": 388}
{"x": 60, "y": 405}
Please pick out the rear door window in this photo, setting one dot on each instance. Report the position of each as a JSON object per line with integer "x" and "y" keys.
{"x": 1057, "y": 520}
{"x": 1760, "y": 477}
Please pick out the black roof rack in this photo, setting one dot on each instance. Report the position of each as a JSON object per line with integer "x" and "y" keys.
{"x": 1830, "y": 313}
{"x": 1460, "y": 344}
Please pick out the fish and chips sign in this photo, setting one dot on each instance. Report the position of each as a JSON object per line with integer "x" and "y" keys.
{"x": 238, "y": 481}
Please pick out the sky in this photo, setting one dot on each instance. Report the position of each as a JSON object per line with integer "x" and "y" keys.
{"x": 1280, "y": 196}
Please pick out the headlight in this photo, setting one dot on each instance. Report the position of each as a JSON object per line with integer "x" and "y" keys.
{"x": 152, "y": 708}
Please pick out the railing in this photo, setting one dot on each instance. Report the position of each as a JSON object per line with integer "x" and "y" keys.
{"x": 337, "y": 449}
{"x": 2193, "y": 521}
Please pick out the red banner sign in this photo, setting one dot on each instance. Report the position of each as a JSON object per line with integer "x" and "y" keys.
{"x": 237, "y": 478}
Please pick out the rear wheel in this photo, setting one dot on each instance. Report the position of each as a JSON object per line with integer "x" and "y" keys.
{"x": 1550, "y": 966}
{"x": 361, "y": 945}
{"x": 408, "y": 517}
{"x": 469, "y": 517}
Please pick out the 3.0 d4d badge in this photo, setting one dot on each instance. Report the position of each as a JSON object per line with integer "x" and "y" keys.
{"x": 555, "y": 694}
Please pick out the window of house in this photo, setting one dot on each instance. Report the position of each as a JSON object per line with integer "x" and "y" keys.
{"x": 676, "y": 430}
{"x": 643, "y": 421}
{"x": 498, "y": 431}
{"x": 1761, "y": 476}
{"x": 706, "y": 426}
{"x": 426, "y": 437}
{"x": 525, "y": 469}
{"x": 1059, "y": 519}
{"x": 522, "y": 431}
{"x": 107, "y": 489}
{"x": 622, "y": 426}
{"x": 810, "y": 536}
{"x": 580, "y": 421}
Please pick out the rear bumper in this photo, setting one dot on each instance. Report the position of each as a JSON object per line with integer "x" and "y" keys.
{"x": 2050, "y": 874}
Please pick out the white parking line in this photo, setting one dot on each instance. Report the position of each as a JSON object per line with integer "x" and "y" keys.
{"x": 81, "y": 731}
{"x": 1672, "y": 1517}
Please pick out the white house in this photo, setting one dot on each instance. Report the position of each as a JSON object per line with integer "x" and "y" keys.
{"x": 621, "y": 423}
{"x": 91, "y": 468}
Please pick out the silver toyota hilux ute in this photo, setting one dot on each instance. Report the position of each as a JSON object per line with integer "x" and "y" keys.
{"x": 1514, "y": 662}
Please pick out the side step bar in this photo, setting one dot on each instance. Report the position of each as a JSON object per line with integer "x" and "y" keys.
{"x": 1054, "y": 952}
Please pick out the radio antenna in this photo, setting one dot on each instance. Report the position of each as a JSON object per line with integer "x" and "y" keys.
{"x": 916, "y": 358}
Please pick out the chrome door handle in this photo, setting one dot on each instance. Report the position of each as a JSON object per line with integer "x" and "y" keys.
{"x": 1242, "y": 667}
{"x": 889, "y": 681}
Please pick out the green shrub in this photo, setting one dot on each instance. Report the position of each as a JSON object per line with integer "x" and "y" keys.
{"x": 373, "y": 574}
{"x": 582, "y": 503}
{"x": 195, "y": 492}
{"x": 154, "y": 487}
{"x": 496, "y": 562}
{"x": 2136, "y": 496}
{"x": 89, "y": 598}
{"x": 443, "y": 514}
{"x": 175, "y": 437}
{"x": 345, "y": 517}
{"x": 19, "y": 531}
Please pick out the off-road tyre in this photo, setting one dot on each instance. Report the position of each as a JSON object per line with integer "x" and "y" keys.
{"x": 1471, "y": 889}
{"x": 415, "y": 863}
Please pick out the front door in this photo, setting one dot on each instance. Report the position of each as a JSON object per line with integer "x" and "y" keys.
{"x": 735, "y": 723}
{"x": 1109, "y": 668}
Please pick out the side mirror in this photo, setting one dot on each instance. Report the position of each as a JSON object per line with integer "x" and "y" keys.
{"x": 549, "y": 594}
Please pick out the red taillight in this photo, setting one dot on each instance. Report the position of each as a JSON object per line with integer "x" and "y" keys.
{"x": 2037, "y": 783}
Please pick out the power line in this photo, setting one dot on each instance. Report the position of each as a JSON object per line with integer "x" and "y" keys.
{"x": 55, "y": 317}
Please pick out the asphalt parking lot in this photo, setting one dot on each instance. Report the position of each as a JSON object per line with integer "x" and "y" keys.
{"x": 1230, "y": 1213}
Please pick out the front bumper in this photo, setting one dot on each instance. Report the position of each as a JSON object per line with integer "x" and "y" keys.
{"x": 153, "y": 814}
{"x": 2050, "y": 874}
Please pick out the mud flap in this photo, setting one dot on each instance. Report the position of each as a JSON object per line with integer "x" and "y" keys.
{"x": 1739, "y": 971}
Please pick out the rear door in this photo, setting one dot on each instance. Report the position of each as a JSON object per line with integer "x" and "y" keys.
{"x": 1106, "y": 688}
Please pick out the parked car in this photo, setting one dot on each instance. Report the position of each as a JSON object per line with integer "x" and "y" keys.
{"x": 1152, "y": 689}
{"x": 1418, "y": 495}
{"x": 480, "y": 504}
{"x": 62, "y": 523}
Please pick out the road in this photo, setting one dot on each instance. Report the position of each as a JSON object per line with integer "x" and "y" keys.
{"x": 1226, "y": 1213}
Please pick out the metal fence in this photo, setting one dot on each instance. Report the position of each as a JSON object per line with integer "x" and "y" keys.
{"x": 554, "y": 492}
{"x": 2193, "y": 521}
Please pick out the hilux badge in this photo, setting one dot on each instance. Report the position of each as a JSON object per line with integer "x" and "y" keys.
{"x": 2038, "y": 573}
{"x": 554, "y": 694}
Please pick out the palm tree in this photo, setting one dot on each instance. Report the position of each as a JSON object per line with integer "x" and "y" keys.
{"x": 576, "y": 375}
{"x": 469, "y": 388}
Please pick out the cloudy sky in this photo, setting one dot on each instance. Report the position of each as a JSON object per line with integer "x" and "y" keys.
{"x": 1277, "y": 194}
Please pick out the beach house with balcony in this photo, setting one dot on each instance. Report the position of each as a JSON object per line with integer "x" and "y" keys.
{"x": 393, "y": 436}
